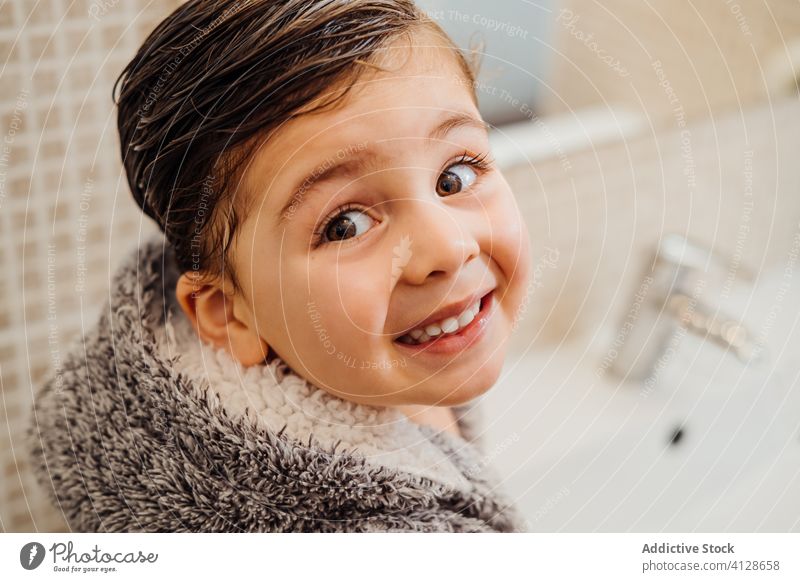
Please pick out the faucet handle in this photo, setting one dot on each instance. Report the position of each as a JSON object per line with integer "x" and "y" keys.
{"x": 720, "y": 328}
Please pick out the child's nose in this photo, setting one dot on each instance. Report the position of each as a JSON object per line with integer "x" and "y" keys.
{"x": 440, "y": 244}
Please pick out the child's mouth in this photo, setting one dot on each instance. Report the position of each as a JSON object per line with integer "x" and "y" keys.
{"x": 451, "y": 342}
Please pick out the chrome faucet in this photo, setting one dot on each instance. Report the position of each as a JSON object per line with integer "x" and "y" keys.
{"x": 669, "y": 299}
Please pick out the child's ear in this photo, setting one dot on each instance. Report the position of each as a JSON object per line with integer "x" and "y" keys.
{"x": 219, "y": 321}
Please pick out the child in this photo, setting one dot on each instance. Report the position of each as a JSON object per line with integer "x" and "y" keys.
{"x": 339, "y": 271}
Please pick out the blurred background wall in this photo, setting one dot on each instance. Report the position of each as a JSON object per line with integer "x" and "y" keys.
{"x": 717, "y": 56}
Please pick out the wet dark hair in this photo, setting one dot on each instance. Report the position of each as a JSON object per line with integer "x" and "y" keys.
{"x": 214, "y": 76}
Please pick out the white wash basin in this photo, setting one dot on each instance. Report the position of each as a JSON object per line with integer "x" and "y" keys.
{"x": 583, "y": 451}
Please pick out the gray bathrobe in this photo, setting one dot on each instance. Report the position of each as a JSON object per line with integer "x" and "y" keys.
{"x": 143, "y": 433}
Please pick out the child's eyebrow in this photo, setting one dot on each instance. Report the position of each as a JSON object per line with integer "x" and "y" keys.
{"x": 353, "y": 165}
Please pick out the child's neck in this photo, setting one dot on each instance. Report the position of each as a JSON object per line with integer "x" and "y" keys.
{"x": 440, "y": 417}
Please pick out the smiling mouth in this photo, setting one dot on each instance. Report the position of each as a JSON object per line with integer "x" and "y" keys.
{"x": 464, "y": 331}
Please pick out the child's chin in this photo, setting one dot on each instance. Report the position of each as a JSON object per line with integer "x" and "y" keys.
{"x": 460, "y": 395}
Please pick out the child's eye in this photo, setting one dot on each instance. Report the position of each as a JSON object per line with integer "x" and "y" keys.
{"x": 461, "y": 175}
{"x": 347, "y": 223}
{"x": 455, "y": 178}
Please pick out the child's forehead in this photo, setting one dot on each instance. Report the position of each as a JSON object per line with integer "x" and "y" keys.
{"x": 381, "y": 106}
{"x": 385, "y": 111}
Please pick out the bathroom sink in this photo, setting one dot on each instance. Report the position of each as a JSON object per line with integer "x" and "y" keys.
{"x": 707, "y": 443}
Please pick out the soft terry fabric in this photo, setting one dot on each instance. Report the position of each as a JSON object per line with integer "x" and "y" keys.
{"x": 150, "y": 429}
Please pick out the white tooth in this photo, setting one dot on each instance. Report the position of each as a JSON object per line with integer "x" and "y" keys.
{"x": 423, "y": 338}
{"x": 465, "y": 318}
{"x": 433, "y": 330}
{"x": 415, "y": 333}
{"x": 449, "y": 325}
{"x": 476, "y": 308}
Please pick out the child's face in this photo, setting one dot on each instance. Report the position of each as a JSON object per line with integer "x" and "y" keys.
{"x": 411, "y": 241}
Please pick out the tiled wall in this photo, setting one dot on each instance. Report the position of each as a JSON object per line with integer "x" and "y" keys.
{"x": 65, "y": 209}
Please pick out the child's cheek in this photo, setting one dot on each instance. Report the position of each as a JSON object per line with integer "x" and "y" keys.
{"x": 510, "y": 249}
